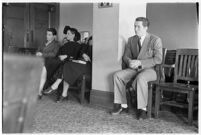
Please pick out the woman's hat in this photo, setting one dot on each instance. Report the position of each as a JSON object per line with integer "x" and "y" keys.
{"x": 66, "y": 28}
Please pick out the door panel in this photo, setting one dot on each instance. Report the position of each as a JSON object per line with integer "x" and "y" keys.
{"x": 14, "y": 25}
{"x": 25, "y": 24}
{"x": 16, "y": 32}
{"x": 40, "y": 23}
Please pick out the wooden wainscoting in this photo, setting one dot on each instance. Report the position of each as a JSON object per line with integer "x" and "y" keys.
{"x": 103, "y": 99}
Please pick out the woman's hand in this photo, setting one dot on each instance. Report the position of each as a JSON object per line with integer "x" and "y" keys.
{"x": 86, "y": 57}
{"x": 39, "y": 54}
{"x": 62, "y": 57}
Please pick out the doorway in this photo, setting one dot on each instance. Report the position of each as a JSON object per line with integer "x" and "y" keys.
{"x": 25, "y": 24}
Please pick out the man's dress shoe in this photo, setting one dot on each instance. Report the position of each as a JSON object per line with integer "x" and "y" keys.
{"x": 119, "y": 111}
{"x": 141, "y": 114}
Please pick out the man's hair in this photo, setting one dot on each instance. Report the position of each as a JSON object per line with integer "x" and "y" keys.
{"x": 53, "y": 30}
{"x": 145, "y": 21}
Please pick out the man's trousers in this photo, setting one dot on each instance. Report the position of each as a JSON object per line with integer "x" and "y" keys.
{"x": 122, "y": 77}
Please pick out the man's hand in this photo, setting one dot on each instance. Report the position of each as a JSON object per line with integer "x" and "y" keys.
{"x": 62, "y": 57}
{"x": 134, "y": 64}
{"x": 86, "y": 57}
{"x": 39, "y": 54}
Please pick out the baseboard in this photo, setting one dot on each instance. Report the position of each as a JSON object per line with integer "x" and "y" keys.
{"x": 103, "y": 99}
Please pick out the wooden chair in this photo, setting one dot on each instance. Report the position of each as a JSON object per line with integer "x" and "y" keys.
{"x": 82, "y": 86}
{"x": 160, "y": 77}
{"x": 131, "y": 92}
{"x": 186, "y": 69}
{"x": 166, "y": 72}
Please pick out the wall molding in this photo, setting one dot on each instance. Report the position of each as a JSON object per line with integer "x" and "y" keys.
{"x": 103, "y": 99}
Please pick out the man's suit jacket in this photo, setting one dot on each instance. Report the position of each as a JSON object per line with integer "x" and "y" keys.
{"x": 49, "y": 54}
{"x": 149, "y": 55}
{"x": 50, "y": 50}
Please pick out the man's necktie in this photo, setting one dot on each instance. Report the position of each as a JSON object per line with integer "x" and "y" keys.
{"x": 139, "y": 44}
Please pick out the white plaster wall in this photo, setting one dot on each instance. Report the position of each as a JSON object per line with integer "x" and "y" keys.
{"x": 77, "y": 15}
{"x": 105, "y": 43}
{"x": 111, "y": 28}
{"x": 128, "y": 12}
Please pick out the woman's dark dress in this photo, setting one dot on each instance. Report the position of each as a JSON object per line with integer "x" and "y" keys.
{"x": 73, "y": 71}
{"x": 49, "y": 54}
{"x": 72, "y": 50}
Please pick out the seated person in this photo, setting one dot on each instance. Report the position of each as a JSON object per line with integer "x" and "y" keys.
{"x": 67, "y": 52}
{"x": 142, "y": 52}
{"x": 65, "y": 40}
{"x": 73, "y": 71}
{"x": 48, "y": 52}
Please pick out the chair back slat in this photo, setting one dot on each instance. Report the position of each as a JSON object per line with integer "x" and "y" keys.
{"x": 164, "y": 55}
{"x": 195, "y": 67}
{"x": 189, "y": 63}
{"x": 179, "y": 70}
{"x": 186, "y": 67}
{"x": 170, "y": 57}
{"x": 192, "y": 66}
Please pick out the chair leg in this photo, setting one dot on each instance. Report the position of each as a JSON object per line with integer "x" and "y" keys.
{"x": 190, "y": 107}
{"x": 128, "y": 96}
{"x": 149, "y": 105}
{"x": 157, "y": 101}
{"x": 82, "y": 90}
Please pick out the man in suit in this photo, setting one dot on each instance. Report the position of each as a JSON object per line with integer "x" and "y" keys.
{"x": 142, "y": 52}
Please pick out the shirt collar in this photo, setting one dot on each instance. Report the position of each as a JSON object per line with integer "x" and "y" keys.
{"x": 142, "y": 38}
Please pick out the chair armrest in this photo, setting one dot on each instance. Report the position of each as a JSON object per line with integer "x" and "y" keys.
{"x": 159, "y": 73}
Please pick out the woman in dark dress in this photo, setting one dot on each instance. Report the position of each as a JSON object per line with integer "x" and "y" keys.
{"x": 48, "y": 52}
{"x": 73, "y": 70}
{"x": 69, "y": 51}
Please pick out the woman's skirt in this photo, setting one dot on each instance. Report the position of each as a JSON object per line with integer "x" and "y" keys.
{"x": 73, "y": 71}
{"x": 52, "y": 65}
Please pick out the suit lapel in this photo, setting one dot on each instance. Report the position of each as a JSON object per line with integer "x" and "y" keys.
{"x": 50, "y": 44}
{"x": 144, "y": 47}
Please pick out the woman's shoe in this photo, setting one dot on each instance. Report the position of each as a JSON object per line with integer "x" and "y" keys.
{"x": 48, "y": 90}
{"x": 61, "y": 99}
{"x": 40, "y": 97}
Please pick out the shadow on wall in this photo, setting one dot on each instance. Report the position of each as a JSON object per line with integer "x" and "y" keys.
{"x": 121, "y": 47}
